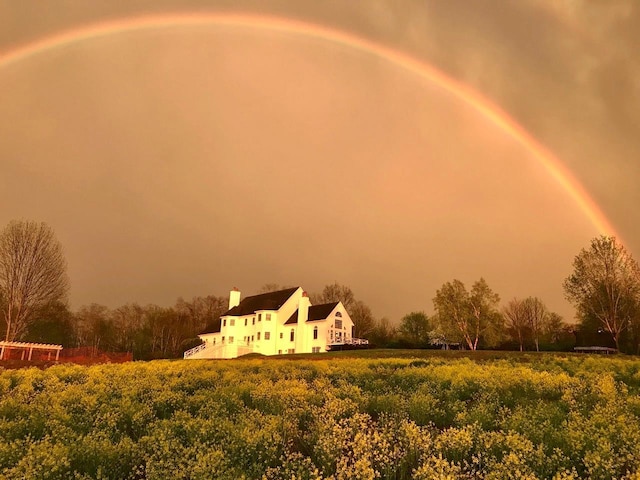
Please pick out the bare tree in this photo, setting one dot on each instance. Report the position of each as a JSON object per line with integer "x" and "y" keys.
{"x": 605, "y": 285}
{"x": 335, "y": 293}
{"x": 93, "y": 327}
{"x": 363, "y": 321}
{"x": 516, "y": 321}
{"x": 537, "y": 317}
{"x": 272, "y": 287}
{"x": 32, "y": 273}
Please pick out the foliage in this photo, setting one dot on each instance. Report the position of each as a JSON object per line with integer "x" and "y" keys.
{"x": 605, "y": 285}
{"x": 415, "y": 328}
{"x": 383, "y": 333}
{"x": 483, "y": 415}
{"x": 53, "y": 323}
{"x": 468, "y": 315}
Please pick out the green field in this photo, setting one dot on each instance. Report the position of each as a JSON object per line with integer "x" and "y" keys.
{"x": 364, "y": 415}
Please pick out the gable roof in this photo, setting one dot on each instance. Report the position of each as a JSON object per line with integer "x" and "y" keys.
{"x": 316, "y": 312}
{"x": 264, "y": 301}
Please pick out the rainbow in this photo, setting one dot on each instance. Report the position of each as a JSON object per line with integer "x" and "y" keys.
{"x": 484, "y": 107}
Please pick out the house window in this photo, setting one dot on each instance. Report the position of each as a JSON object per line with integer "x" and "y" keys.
{"x": 259, "y": 317}
{"x": 292, "y": 334}
{"x": 267, "y": 335}
{"x": 230, "y": 339}
{"x": 232, "y": 322}
{"x": 253, "y": 320}
{"x": 258, "y": 335}
{"x": 315, "y": 333}
{"x": 214, "y": 340}
{"x": 291, "y": 350}
{"x": 267, "y": 317}
{"x": 315, "y": 350}
{"x": 224, "y": 322}
{"x": 339, "y": 323}
{"x": 338, "y": 314}
{"x": 222, "y": 339}
{"x": 247, "y": 340}
{"x": 245, "y": 321}
{"x": 252, "y": 338}
{"x": 279, "y": 352}
{"x": 281, "y": 334}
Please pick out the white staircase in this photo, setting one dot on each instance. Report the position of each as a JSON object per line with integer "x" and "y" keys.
{"x": 207, "y": 350}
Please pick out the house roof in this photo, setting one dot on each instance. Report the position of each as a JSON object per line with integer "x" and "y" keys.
{"x": 316, "y": 312}
{"x": 264, "y": 301}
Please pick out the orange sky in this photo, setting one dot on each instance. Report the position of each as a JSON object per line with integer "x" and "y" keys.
{"x": 189, "y": 159}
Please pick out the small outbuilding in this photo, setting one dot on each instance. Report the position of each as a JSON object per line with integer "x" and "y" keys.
{"x": 25, "y": 351}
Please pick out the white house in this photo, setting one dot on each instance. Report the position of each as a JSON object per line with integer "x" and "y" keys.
{"x": 276, "y": 323}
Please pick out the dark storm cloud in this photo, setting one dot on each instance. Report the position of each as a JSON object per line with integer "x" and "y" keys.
{"x": 188, "y": 162}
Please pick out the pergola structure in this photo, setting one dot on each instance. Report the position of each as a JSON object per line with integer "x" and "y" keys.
{"x": 27, "y": 349}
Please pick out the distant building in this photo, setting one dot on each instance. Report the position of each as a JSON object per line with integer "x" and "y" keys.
{"x": 276, "y": 323}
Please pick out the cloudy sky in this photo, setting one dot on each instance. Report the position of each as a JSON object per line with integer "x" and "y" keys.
{"x": 184, "y": 159}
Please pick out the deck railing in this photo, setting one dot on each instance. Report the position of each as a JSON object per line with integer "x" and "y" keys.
{"x": 192, "y": 351}
{"x": 357, "y": 341}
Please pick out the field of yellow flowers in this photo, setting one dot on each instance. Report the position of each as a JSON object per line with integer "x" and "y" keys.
{"x": 345, "y": 416}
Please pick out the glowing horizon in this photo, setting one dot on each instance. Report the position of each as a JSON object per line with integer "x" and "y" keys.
{"x": 423, "y": 70}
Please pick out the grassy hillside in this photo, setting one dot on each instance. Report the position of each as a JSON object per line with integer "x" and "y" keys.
{"x": 345, "y": 415}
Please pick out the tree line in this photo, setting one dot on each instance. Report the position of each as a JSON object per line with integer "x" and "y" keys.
{"x": 604, "y": 287}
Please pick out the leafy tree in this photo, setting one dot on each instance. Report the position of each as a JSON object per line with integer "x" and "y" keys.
{"x": 554, "y": 327}
{"x": 470, "y": 314}
{"x": 558, "y": 335}
{"x": 605, "y": 284}
{"x": 415, "y": 328}
{"x": 53, "y": 323}
{"x": 383, "y": 333}
{"x": 32, "y": 273}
